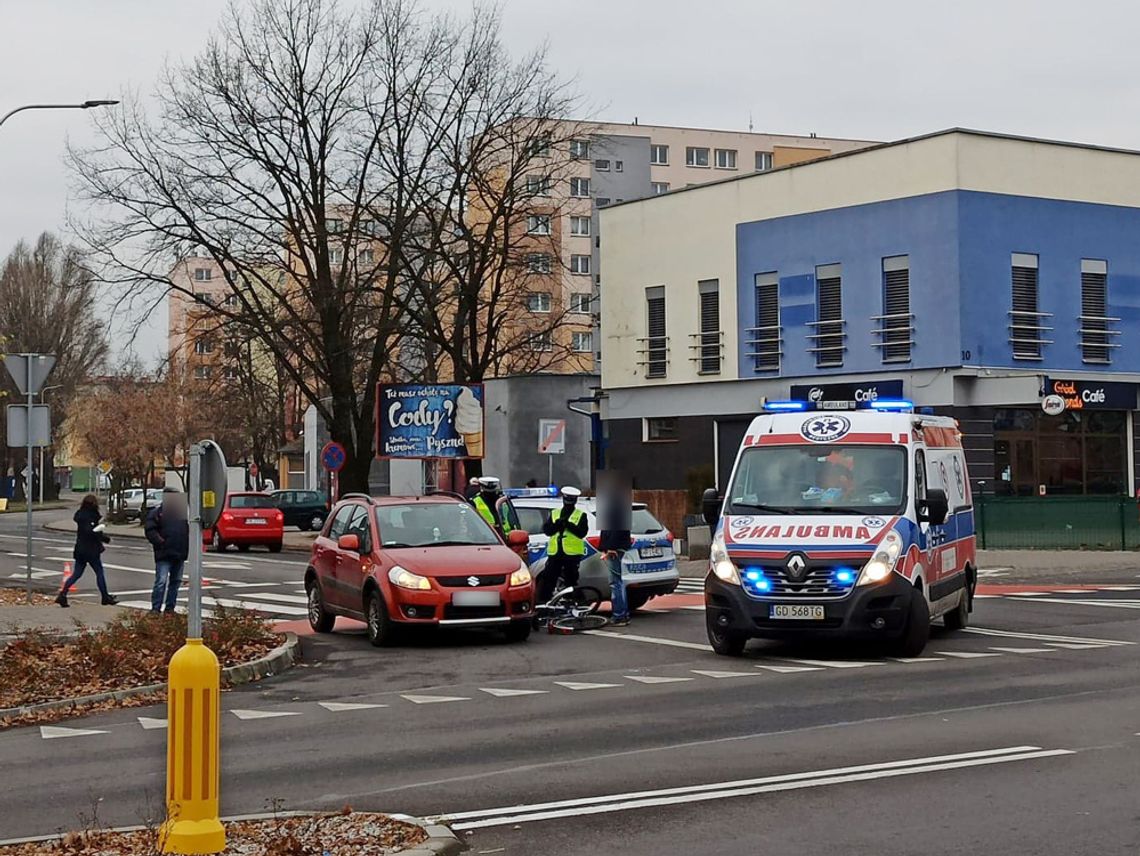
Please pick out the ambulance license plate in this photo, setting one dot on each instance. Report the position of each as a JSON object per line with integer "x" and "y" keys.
{"x": 796, "y": 611}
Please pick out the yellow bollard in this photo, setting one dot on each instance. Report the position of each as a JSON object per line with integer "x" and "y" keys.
{"x": 194, "y": 714}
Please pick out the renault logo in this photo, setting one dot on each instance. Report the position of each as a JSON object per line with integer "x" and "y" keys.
{"x": 472, "y": 581}
{"x": 797, "y": 567}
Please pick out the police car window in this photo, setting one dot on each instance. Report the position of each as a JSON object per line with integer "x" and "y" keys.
{"x": 644, "y": 523}
{"x": 531, "y": 519}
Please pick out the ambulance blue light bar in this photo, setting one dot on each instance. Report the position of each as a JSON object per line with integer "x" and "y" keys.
{"x": 785, "y": 406}
{"x": 900, "y": 405}
{"x": 893, "y": 404}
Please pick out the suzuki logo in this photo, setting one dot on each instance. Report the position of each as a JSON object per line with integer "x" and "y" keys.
{"x": 797, "y": 567}
{"x": 472, "y": 581}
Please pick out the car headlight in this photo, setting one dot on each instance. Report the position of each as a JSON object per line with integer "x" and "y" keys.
{"x": 721, "y": 565}
{"x": 883, "y": 562}
{"x": 406, "y": 579}
{"x": 522, "y": 576}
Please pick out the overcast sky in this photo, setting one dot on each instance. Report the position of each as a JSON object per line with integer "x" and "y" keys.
{"x": 873, "y": 69}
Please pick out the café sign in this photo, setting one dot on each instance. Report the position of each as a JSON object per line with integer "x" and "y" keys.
{"x": 1091, "y": 394}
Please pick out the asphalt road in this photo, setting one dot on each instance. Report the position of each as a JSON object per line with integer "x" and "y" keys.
{"x": 1019, "y": 739}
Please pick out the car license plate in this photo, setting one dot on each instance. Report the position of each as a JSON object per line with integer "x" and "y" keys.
{"x": 475, "y": 598}
{"x": 797, "y": 611}
{"x": 256, "y": 521}
{"x": 650, "y": 553}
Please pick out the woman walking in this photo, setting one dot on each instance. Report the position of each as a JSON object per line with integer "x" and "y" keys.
{"x": 89, "y": 541}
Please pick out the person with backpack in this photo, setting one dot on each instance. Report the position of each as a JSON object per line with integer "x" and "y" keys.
{"x": 168, "y": 530}
{"x": 90, "y": 542}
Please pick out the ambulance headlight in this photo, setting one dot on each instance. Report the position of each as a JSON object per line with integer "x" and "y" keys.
{"x": 721, "y": 565}
{"x": 883, "y": 562}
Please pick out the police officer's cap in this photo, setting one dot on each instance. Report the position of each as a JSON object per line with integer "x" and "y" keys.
{"x": 489, "y": 481}
{"x": 571, "y": 492}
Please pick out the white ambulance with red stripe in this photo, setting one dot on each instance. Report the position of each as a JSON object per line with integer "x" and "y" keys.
{"x": 854, "y": 523}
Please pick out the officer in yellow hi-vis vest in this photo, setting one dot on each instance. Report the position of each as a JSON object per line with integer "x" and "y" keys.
{"x": 487, "y": 503}
{"x": 566, "y": 527}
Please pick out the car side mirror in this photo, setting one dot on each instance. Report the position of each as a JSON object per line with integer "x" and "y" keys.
{"x": 934, "y": 508}
{"x": 517, "y": 538}
{"x": 351, "y": 543}
{"x": 710, "y": 507}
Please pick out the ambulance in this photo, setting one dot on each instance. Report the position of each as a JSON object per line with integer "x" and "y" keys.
{"x": 854, "y": 523}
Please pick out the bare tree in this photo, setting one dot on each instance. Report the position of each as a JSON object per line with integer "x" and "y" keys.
{"x": 47, "y": 300}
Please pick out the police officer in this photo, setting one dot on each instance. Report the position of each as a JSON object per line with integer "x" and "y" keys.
{"x": 487, "y": 503}
{"x": 566, "y": 527}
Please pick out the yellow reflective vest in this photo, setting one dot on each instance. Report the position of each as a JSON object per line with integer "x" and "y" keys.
{"x": 566, "y": 543}
{"x": 488, "y": 514}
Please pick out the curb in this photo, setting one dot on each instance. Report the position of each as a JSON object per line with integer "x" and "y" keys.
{"x": 63, "y": 528}
{"x": 441, "y": 840}
{"x": 278, "y": 660}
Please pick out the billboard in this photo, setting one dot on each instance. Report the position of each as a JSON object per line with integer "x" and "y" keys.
{"x": 429, "y": 421}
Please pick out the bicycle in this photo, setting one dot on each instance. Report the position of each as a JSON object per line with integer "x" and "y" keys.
{"x": 571, "y": 610}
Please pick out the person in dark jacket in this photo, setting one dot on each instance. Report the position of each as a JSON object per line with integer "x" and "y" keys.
{"x": 89, "y": 541}
{"x": 168, "y": 531}
{"x": 615, "y": 504}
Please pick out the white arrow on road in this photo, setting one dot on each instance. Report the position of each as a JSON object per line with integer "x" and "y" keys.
{"x": 501, "y": 693}
{"x": 150, "y": 723}
{"x": 337, "y": 706}
{"x": 263, "y": 714}
{"x": 49, "y": 732}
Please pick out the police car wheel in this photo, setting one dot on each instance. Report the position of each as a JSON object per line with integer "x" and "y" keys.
{"x": 725, "y": 642}
{"x": 959, "y": 616}
{"x": 637, "y": 600}
{"x": 914, "y": 638}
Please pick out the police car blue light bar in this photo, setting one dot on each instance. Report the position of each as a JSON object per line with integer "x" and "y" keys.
{"x": 531, "y": 492}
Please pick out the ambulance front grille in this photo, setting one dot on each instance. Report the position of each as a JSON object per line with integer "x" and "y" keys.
{"x": 818, "y": 581}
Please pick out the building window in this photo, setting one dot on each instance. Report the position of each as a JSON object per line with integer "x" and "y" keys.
{"x": 896, "y": 324}
{"x": 726, "y": 158}
{"x": 336, "y": 255}
{"x": 580, "y": 303}
{"x": 580, "y": 149}
{"x": 538, "y": 263}
{"x": 203, "y": 274}
{"x": 659, "y": 187}
{"x": 367, "y": 227}
{"x": 579, "y": 225}
{"x": 602, "y": 165}
{"x": 829, "y": 336}
{"x": 763, "y": 161}
{"x": 603, "y": 201}
{"x": 766, "y": 337}
{"x": 332, "y": 226}
{"x": 365, "y": 257}
{"x": 619, "y": 166}
{"x": 538, "y": 185}
{"x": 660, "y": 430}
{"x": 1095, "y": 342}
{"x": 230, "y": 301}
{"x": 696, "y": 156}
{"x": 659, "y": 155}
{"x": 203, "y": 372}
{"x": 1026, "y": 321}
{"x": 538, "y": 301}
{"x": 538, "y": 224}
{"x": 656, "y": 342}
{"x": 582, "y": 343}
{"x": 708, "y": 345}
{"x": 203, "y": 346}
{"x": 580, "y": 187}
{"x": 540, "y": 146}
{"x": 544, "y": 341}
{"x": 579, "y": 264}
{"x": 230, "y": 373}
{"x": 1077, "y": 452}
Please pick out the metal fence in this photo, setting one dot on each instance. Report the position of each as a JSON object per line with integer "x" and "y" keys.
{"x": 1057, "y": 523}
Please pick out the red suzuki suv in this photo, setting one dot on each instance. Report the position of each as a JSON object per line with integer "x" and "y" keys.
{"x": 395, "y": 562}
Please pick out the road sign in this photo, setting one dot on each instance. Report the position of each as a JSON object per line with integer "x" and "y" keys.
{"x": 104, "y": 467}
{"x": 333, "y": 457}
{"x": 20, "y": 434}
{"x": 552, "y": 436}
{"x": 41, "y": 366}
{"x": 212, "y": 483}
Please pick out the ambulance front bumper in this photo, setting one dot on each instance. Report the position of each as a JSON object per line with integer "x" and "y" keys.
{"x": 867, "y": 612}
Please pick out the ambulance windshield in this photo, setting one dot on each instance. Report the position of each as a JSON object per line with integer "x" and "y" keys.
{"x": 823, "y": 479}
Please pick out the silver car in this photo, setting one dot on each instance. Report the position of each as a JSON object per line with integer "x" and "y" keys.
{"x": 133, "y": 501}
{"x": 649, "y": 568}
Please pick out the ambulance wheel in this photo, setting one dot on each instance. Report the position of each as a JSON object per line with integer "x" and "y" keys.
{"x": 959, "y": 617}
{"x": 725, "y": 642}
{"x": 914, "y": 638}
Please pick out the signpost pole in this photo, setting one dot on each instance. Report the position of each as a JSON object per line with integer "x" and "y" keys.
{"x": 550, "y": 476}
{"x": 28, "y": 480}
{"x": 194, "y": 602}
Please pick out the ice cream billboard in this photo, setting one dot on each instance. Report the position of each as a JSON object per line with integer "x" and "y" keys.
{"x": 429, "y": 421}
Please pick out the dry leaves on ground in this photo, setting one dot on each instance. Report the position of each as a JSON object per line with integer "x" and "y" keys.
{"x": 19, "y": 597}
{"x": 344, "y": 834}
{"x": 131, "y": 651}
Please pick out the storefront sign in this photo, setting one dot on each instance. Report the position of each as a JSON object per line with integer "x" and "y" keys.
{"x": 846, "y": 394}
{"x": 1053, "y": 405}
{"x": 429, "y": 421}
{"x": 1092, "y": 394}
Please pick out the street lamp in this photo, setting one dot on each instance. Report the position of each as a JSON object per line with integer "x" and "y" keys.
{"x": 42, "y": 401}
{"x": 86, "y": 105}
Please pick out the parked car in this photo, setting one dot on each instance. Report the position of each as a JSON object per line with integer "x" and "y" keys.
{"x": 432, "y": 561}
{"x": 649, "y": 568}
{"x": 305, "y": 509}
{"x": 248, "y": 520}
{"x": 133, "y": 501}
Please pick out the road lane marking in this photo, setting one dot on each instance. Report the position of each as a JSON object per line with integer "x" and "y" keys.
{"x": 916, "y": 659}
{"x": 1024, "y": 650}
{"x": 633, "y": 637}
{"x": 338, "y": 706}
{"x": 721, "y": 790}
{"x": 1115, "y": 603}
{"x": 965, "y": 655}
{"x": 1042, "y": 637}
{"x": 282, "y": 598}
{"x": 712, "y": 673}
{"x": 787, "y": 670}
{"x": 582, "y": 685}
{"x": 831, "y": 664}
{"x": 150, "y": 723}
{"x": 263, "y": 714}
{"x": 654, "y": 679}
{"x": 50, "y": 732}
{"x": 432, "y": 699}
{"x": 508, "y": 693}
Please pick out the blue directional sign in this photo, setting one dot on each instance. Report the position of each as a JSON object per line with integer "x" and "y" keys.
{"x": 333, "y": 457}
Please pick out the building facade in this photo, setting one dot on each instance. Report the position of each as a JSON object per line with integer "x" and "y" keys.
{"x": 975, "y": 274}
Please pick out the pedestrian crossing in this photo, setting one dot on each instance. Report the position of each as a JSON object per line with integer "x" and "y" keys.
{"x": 691, "y": 585}
{"x": 285, "y": 601}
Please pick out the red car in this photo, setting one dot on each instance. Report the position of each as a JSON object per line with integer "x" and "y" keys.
{"x": 248, "y": 520}
{"x": 432, "y": 561}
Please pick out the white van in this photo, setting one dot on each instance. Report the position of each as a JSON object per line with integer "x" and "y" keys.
{"x": 851, "y": 523}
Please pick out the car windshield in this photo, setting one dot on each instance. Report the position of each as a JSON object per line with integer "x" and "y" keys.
{"x": 531, "y": 519}
{"x": 644, "y": 523}
{"x": 428, "y": 524}
{"x": 245, "y": 500}
{"x": 835, "y": 479}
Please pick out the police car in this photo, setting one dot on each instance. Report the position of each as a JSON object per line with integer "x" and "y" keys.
{"x": 649, "y": 568}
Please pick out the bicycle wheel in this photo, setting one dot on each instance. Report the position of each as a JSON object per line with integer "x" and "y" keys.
{"x": 578, "y": 623}
{"x": 587, "y": 596}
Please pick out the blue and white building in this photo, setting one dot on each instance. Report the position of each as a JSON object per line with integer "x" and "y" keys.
{"x": 973, "y": 273}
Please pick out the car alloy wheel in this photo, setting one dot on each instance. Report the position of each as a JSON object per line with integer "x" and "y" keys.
{"x": 317, "y": 522}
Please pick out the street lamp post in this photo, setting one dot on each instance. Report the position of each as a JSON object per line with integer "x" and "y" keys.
{"x": 86, "y": 105}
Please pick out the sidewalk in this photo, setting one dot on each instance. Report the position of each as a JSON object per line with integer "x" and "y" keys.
{"x": 295, "y": 541}
{"x": 16, "y": 618}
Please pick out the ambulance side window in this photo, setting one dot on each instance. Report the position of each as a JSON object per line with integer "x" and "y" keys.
{"x": 919, "y": 477}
